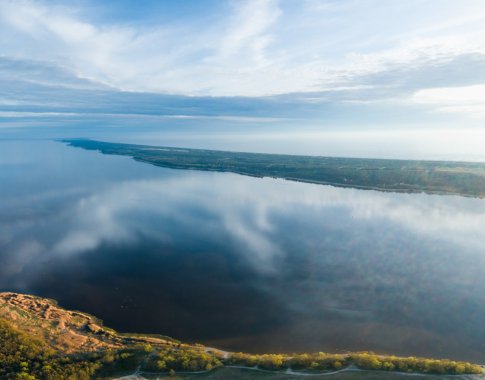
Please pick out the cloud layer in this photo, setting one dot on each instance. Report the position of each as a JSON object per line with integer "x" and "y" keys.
{"x": 317, "y": 59}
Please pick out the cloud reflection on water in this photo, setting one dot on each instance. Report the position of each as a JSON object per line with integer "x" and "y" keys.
{"x": 236, "y": 260}
{"x": 243, "y": 210}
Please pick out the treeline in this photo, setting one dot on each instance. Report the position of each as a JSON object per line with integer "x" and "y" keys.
{"x": 412, "y": 364}
{"x": 318, "y": 361}
{"x": 24, "y": 357}
{"x": 181, "y": 359}
{"x": 331, "y": 362}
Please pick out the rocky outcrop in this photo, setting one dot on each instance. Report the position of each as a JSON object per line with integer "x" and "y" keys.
{"x": 66, "y": 330}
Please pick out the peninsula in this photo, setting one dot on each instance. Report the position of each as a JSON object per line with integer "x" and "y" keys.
{"x": 433, "y": 177}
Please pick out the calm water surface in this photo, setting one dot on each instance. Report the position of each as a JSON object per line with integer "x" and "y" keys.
{"x": 243, "y": 263}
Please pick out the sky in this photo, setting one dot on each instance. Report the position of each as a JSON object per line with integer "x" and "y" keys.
{"x": 336, "y": 77}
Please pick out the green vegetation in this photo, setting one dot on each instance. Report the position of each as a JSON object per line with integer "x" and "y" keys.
{"x": 30, "y": 350}
{"x": 412, "y": 364}
{"x": 156, "y": 336}
{"x": 313, "y": 362}
{"x": 440, "y": 177}
{"x": 182, "y": 359}
{"x": 24, "y": 357}
{"x": 332, "y": 362}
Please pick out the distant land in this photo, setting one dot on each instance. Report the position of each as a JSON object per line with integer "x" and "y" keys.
{"x": 41, "y": 340}
{"x": 409, "y": 176}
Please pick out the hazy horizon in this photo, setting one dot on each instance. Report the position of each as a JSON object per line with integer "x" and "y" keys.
{"x": 338, "y": 78}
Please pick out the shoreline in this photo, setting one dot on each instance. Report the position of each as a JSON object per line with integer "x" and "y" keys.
{"x": 44, "y": 319}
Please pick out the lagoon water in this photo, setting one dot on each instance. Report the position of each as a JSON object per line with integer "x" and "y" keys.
{"x": 243, "y": 263}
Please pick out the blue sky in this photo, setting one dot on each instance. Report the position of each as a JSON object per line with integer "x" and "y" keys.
{"x": 287, "y": 67}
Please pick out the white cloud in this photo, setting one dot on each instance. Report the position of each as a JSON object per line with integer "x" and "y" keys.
{"x": 15, "y": 114}
{"x": 466, "y": 99}
{"x": 249, "y": 28}
{"x": 261, "y": 47}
